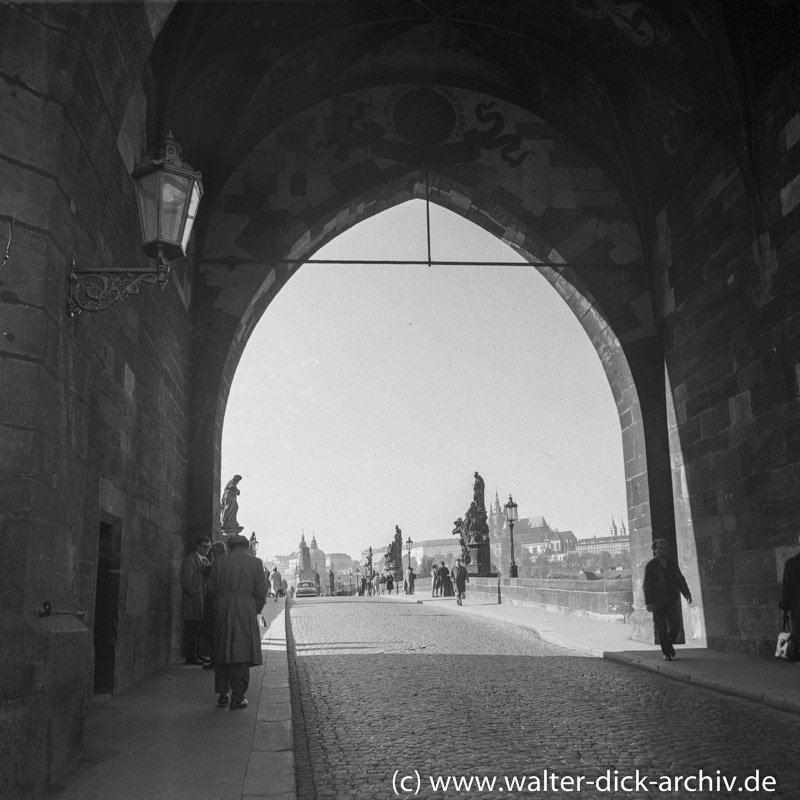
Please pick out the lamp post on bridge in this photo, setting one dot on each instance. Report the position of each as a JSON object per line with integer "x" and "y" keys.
{"x": 512, "y": 517}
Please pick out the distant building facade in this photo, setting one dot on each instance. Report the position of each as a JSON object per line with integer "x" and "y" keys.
{"x": 531, "y": 534}
{"x": 605, "y": 544}
{"x": 340, "y": 563}
{"x": 309, "y": 560}
{"x": 437, "y": 549}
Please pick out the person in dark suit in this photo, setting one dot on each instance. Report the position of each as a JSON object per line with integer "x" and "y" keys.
{"x": 238, "y": 589}
{"x": 790, "y": 593}
{"x": 445, "y": 584}
{"x": 460, "y": 580}
{"x": 216, "y": 550}
{"x": 193, "y": 602}
{"x": 663, "y": 585}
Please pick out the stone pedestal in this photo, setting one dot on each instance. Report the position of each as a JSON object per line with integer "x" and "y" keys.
{"x": 481, "y": 560}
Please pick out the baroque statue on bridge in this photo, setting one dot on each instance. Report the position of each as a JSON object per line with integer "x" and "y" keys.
{"x": 473, "y": 531}
{"x": 459, "y": 531}
{"x": 478, "y": 493}
{"x": 230, "y": 506}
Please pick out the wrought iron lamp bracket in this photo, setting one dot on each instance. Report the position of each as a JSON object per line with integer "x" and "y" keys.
{"x": 97, "y": 290}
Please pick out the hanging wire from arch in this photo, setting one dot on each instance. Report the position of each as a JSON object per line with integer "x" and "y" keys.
{"x": 429, "y": 262}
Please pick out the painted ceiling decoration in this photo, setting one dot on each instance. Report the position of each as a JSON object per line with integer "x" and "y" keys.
{"x": 423, "y": 125}
{"x": 641, "y": 25}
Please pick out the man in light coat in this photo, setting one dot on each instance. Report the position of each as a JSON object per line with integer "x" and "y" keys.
{"x": 275, "y": 582}
{"x": 238, "y": 588}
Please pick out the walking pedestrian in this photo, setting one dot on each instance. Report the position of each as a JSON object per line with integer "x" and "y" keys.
{"x": 389, "y": 583}
{"x": 194, "y": 571}
{"x": 275, "y": 582}
{"x": 663, "y": 585}
{"x": 460, "y": 579}
{"x": 445, "y": 584}
{"x": 410, "y": 578}
{"x": 239, "y": 590}
{"x": 435, "y": 581}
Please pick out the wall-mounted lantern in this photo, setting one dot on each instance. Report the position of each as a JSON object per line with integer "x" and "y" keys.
{"x": 168, "y": 193}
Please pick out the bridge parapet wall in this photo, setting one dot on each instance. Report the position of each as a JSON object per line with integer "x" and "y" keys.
{"x": 603, "y": 600}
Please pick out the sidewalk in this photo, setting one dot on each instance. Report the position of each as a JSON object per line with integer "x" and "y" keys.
{"x": 166, "y": 739}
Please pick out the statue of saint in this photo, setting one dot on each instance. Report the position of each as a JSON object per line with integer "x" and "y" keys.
{"x": 471, "y": 523}
{"x": 230, "y": 504}
{"x": 465, "y": 554}
{"x": 477, "y": 493}
{"x": 460, "y": 531}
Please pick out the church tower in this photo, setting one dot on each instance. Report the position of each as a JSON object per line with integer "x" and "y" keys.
{"x": 304, "y": 568}
{"x": 496, "y": 518}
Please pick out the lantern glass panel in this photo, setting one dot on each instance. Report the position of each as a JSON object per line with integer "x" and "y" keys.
{"x": 147, "y": 197}
{"x": 174, "y": 189}
{"x": 194, "y": 202}
{"x": 511, "y": 512}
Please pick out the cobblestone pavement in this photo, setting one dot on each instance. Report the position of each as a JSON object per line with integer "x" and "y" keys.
{"x": 387, "y": 697}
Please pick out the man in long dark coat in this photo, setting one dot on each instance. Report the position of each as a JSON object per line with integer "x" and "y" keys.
{"x": 460, "y": 578}
{"x": 194, "y": 571}
{"x": 238, "y": 588}
{"x": 663, "y": 586}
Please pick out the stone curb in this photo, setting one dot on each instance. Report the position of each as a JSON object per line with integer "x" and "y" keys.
{"x": 729, "y": 688}
{"x": 270, "y": 773}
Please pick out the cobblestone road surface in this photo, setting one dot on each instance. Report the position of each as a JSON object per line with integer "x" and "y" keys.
{"x": 383, "y": 691}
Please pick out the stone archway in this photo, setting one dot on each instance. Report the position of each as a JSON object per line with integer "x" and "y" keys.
{"x": 672, "y": 181}
{"x": 260, "y": 229}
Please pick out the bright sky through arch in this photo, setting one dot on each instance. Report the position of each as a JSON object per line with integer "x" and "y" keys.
{"x": 368, "y": 396}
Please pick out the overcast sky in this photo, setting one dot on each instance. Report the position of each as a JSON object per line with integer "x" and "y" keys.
{"x": 368, "y": 396}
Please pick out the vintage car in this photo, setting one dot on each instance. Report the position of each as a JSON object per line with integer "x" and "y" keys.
{"x": 306, "y": 589}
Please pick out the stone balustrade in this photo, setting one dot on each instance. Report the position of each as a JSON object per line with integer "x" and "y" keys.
{"x": 604, "y": 600}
